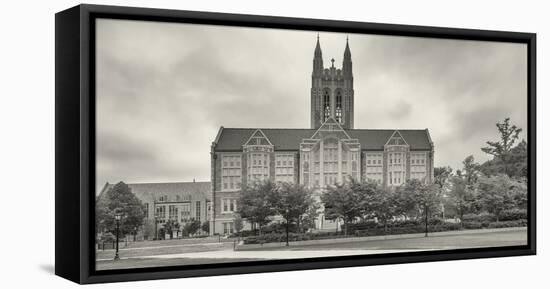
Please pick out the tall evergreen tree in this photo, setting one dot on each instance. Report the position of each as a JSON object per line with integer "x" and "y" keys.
{"x": 502, "y": 150}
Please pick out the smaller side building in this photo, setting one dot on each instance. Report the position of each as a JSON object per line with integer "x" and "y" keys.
{"x": 178, "y": 201}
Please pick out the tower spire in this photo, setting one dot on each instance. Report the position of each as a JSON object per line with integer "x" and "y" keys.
{"x": 318, "y": 58}
{"x": 347, "y": 52}
{"x": 347, "y": 65}
{"x": 318, "y": 51}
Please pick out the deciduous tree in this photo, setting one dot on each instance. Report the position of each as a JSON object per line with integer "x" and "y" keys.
{"x": 427, "y": 198}
{"x": 119, "y": 198}
{"x": 346, "y": 201}
{"x": 291, "y": 201}
{"x": 253, "y": 203}
{"x": 497, "y": 193}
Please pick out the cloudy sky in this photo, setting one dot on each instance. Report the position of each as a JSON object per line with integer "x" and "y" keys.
{"x": 163, "y": 91}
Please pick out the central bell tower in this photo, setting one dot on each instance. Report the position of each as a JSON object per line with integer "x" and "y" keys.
{"x": 331, "y": 90}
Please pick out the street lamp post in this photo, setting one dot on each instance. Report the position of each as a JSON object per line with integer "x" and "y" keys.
{"x": 118, "y": 216}
{"x": 156, "y": 231}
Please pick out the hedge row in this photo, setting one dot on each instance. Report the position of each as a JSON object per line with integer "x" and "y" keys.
{"x": 377, "y": 230}
{"x": 506, "y": 215}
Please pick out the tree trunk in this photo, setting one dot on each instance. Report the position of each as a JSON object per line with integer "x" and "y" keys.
{"x": 287, "y": 228}
{"x": 345, "y": 228}
{"x": 426, "y": 221}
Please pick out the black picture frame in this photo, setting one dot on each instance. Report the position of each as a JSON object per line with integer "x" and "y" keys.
{"x": 75, "y": 139}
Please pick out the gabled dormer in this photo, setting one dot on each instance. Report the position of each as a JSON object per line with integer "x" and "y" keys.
{"x": 330, "y": 127}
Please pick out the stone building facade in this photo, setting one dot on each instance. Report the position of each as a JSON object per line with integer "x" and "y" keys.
{"x": 178, "y": 201}
{"x": 329, "y": 152}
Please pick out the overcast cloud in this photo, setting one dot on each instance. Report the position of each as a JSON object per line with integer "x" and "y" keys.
{"x": 163, "y": 91}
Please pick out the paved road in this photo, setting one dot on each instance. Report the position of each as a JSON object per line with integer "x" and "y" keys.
{"x": 202, "y": 254}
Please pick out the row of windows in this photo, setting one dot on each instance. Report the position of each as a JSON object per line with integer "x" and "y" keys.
{"x": 396, "y": 178}
{"x": 231, "y": 172}
{"x": 231, "y": 161}
{"x": 284, "y": 166}
{"x": 374, "y": 170}
{"x": 175, "y": 212}
{"x": 229, "y": 205}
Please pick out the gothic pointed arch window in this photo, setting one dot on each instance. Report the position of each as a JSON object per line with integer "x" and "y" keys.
{"x": 326, "y": 105}
{"x": 338, "y": 111}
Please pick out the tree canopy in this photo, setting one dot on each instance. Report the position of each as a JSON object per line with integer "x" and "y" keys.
{"x": 504, "y": 153}
{"x": 499, "y": 193}
{"x": 291, "y": 201}
{"x": 120, "y": 199}
{"x": 254, "y": 204}
{"x": 348, "y": 201}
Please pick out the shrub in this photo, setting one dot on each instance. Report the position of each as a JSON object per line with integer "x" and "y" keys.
{"x": 436, "y": 221}
{"x": 365, "y": 225}
{"x": 513, "y": 215}
{"x": 377, "y": 230}
{"x": 107, "y": 238}
{"x": 508, "y": 224}
{"x": 244, "y": 233}
{"x": 472, "y": 225}
{"x": 482, "y": 217}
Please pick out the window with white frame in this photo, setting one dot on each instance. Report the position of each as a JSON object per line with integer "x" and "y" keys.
{"x": 354, "y": 165}
{"x": 284, "y": 167}
{"x": 231, "y": 172}
{"x": 185, "y": 212}
{"x": 305, "y": 168}
{"x": 258, "y": 166}
{"x": 228, "y": 228}
{"x": 160, "y": 212}
{"x": 373, "y": 166}
{"x": 330, "y": 161}
{"x": 229, "y": 205}
{"x": 172, "y": 212}
{"x": 198, "y": 210}
{"x": 418, "y": 165}
{"x": 396, "y": 168}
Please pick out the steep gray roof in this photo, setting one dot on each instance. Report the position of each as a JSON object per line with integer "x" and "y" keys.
{"x": 152, "y": 191}
{"x": 232, "y": 139}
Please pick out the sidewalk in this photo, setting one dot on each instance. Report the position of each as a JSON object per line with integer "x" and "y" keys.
{"x": 356, "y": 246}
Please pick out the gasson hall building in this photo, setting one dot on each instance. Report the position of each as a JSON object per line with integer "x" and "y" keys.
{"x": 329, "y": 152}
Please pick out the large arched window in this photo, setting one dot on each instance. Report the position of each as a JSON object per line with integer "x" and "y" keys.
{"x": 326, "y": 104}
{"x": 338, "y": 111}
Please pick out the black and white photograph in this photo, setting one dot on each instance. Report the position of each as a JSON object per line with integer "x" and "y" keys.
{"x": 223, "y": 144}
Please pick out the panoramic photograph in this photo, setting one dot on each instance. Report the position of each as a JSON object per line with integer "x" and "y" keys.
{"x": 220, "y": 144}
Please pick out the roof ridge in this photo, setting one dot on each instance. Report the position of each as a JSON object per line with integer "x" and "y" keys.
{"x": 158, "y": 183}
{"x": 282, "y": 128}
{"x": 269, "y": 128}
{"x": 392, "y": 129}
